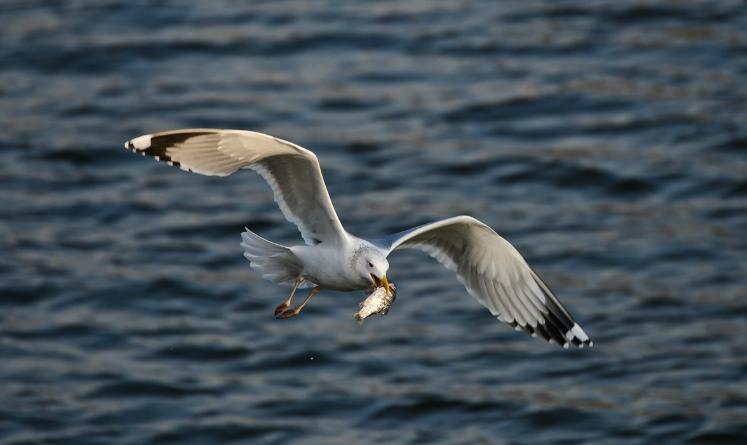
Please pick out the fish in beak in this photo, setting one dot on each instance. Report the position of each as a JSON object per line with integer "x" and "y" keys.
{"x": 381, "y": 282}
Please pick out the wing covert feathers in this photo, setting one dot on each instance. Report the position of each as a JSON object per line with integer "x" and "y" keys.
{"x": 495, "y": 274}
{"x": 292, "y": 171}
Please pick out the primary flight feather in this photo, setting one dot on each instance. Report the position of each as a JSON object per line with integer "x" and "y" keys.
{"x": 490, "y": 268}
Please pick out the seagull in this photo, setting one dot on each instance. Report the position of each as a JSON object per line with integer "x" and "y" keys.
{"x": 490, "y": 268}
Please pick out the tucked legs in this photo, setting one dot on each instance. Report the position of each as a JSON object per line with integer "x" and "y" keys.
{"x": 291, "y": 312}
{"x": 284, "y": 305}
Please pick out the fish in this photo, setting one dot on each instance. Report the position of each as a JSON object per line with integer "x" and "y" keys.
{"x": 377, "y": 303}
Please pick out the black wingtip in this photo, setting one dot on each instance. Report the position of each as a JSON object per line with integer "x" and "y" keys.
{"x": 158, "y": 145}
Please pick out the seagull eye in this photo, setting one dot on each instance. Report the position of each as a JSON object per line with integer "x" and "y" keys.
{"x": 370, "y": 265}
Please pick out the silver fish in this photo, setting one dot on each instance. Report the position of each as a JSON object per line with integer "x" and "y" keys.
{"x": 377, "y": 303}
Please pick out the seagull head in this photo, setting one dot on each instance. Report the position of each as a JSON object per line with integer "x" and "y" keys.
{"x": 376, "y": 266}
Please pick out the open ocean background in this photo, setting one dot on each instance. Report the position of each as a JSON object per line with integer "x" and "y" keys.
{"x": 606, "y": 140}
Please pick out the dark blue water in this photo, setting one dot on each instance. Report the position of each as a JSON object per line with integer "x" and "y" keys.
{"x": 606, "y": 140}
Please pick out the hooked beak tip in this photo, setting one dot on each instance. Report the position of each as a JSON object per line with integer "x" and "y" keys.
{"x": 381, "y": 282}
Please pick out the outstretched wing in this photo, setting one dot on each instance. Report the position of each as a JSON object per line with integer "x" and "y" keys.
{"x": 292, "y": 171}
{"x": 495, "y": 273}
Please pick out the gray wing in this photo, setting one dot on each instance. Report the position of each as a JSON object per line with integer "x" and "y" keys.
{"x": 495, "y": 274}
{"x": 292, "y": 171}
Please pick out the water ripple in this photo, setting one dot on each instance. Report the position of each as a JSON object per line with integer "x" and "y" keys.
{"x": 604, "y": 139}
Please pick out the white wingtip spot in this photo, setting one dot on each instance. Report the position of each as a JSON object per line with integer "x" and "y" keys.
{"x": 565, "y": 345}
{"x": 578, "y": 333}
{"x": 139, "y": 143}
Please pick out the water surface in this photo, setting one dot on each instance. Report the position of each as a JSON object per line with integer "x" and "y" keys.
{"x": 606, "y": 140}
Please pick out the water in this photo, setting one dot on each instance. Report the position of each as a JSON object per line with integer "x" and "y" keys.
{"x": 606, "y": 140}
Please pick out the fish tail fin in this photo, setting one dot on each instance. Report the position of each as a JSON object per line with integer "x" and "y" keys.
{"x": 359, "y": 319}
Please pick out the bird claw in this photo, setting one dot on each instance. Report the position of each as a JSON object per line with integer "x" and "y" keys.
{"x": 289, "y": 313}
{"x": 281, "y": 307}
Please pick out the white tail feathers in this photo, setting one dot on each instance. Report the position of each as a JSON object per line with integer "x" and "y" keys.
{"x": 276, "y": 263}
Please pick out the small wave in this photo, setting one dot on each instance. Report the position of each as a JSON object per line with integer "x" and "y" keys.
{"x": 146, "y": 388}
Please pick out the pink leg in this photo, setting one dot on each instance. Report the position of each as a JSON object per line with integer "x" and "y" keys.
{"x": 284, "y": 305}
{"x": 291, "y": 312}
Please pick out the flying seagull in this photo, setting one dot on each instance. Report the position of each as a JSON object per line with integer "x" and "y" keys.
{"x": 490, "y": 268}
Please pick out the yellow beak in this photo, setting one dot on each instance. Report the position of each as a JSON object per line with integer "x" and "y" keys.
{"x": 381, "y": 282}
{"x": 386, "y": 283}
